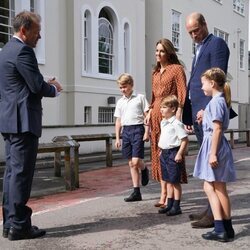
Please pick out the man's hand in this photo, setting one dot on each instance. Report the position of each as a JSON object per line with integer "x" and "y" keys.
{"x": 56, "y": 84}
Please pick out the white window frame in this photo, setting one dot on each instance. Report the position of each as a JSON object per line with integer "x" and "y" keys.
{"x": 176, "y": 29}
{"x": 86, "y": 42}
{"x": 87, "y": 115}
{"x": 222, "y": 34}
{"x": 239, "y": 6}
{"x": 106, "y": 115}
{"x": 242, "y": 54}
{"x": 127, "y": 49}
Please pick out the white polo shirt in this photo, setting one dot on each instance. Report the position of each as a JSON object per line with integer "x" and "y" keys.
{"x": 131, "y": 110}
{"x": 172, "y": 131}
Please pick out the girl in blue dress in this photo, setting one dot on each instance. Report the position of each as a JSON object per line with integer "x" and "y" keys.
{"x": 214, "y": 163}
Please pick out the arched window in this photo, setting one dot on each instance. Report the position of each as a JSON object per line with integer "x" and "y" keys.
{"x": 105, "y": 43}
{"x": 87, "y": 41}
{"x": 126, "y": 48}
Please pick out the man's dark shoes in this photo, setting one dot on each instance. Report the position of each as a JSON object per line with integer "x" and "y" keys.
{"x": 144, "y": 176}
{"x": 174, "y": 211}
{"x": 133, "y": 197}
{"x": 5, "y": 232}
{"x": 206, "y": 222}
{"x": 222, "y": 237}
{"x": 197, "y": 216}
{"x": 33, "y": 232}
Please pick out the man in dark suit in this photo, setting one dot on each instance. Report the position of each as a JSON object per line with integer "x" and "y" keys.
{"x": 211, "y": 51}
{"x": 21, "y": 89}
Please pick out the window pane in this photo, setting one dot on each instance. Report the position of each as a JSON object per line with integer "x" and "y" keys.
{"x": 7, "y": 13}
{"x": 106, "y": 114}
{"x": 105, "y": 46}
{"x": 176, "y": 29}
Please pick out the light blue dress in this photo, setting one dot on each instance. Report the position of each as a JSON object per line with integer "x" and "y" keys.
{"x": 216, "y": 110}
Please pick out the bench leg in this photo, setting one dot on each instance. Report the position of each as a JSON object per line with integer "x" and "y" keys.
{"x": 74, "y": 164}
{"x": 69, "y": 171}
{"x": 248, "y": 138}
{"x": 57, "y": 164}
{"x": 109, "y": 157}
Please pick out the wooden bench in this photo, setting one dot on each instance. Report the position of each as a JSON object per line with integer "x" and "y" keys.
{"x": 233, "y": 131}
{"x": 70, "y": 160}
{"x": 92, "y": 137}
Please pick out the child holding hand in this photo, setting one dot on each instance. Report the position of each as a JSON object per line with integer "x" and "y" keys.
{"x": 173, "y": 142}
{"x": 214, "y": 163}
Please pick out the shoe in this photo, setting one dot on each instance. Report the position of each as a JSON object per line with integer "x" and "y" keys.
{"x": 5, "y": 232}
{"x": 222, "y": 237}
{"x": 197, "y": 216}
{"x": 144, "y": 177}
{"x": 206, "y": 222}
{"x": 230, "y": 235}
{"x": 164, "y": 210}
{"x": 173, "y": 211}
{"x": 33, "y": 232}
{"x": 158, "y": 204}
{"x": 133, "y": 197}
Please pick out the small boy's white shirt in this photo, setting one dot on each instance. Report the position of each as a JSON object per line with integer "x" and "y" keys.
{"x": 172, "y": 132}
{"x": 131, "y": 110}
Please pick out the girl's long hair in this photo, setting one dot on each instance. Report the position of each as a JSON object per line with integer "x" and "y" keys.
{"x": 218, "y": 75}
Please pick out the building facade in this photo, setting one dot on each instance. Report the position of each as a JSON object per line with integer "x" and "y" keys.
{"x": 87, "y": 44}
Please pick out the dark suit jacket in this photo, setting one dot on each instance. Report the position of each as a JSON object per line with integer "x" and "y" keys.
{"x": 21, "y": 89}
{"x": 214, "y": 53}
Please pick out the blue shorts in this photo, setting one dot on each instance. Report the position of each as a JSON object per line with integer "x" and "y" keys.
{"x": 170, "y": 169}
{"x": 132, "y": 141}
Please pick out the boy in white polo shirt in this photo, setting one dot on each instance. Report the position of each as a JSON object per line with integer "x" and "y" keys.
{"x": 130, "y": 112}
{"x": 173, "y": 142}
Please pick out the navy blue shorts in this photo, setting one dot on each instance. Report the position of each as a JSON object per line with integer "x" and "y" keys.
{"x": 170, "y": 169}
{"x": 132, "y": 141}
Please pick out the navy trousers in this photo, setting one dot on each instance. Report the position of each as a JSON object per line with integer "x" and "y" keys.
{"x": 20, "y": 151}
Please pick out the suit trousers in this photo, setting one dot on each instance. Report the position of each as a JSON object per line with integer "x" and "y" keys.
{"x": 198, "y": 132}
{"x": 20, "y": 151}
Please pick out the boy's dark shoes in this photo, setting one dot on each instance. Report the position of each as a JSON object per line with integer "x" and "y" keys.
{"x": 164, "y": 210}
{"x": 206, "y": 222}
{"x": 33, "y": 232}
{"x": 197, "y": 216}
{"x": 222, "y": 237}
{"x": 173, "y": 211}
{"x": 144, "y": 176}
{"x": 230, "y": 234}
{"x": 133, "y": 197}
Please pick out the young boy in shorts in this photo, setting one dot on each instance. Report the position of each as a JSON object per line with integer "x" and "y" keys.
{"x": 130, "y": 112}
{"x": 173, "y": 142}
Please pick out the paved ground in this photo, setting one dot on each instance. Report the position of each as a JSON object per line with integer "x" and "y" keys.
{"x": 96, "y": 217}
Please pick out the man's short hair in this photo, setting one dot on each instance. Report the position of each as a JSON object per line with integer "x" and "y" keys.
{"x": 25, "y": 19}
